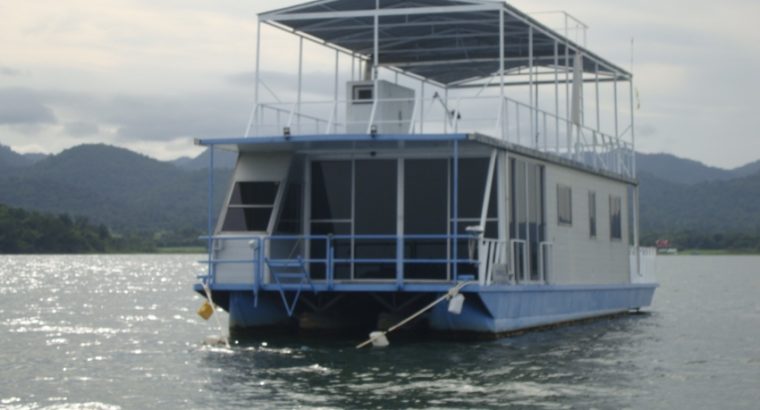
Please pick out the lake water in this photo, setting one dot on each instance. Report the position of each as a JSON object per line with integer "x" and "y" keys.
{"x": 110, "y": 332}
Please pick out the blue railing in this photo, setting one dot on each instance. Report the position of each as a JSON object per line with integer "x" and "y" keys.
{"x": 318, "y": 254}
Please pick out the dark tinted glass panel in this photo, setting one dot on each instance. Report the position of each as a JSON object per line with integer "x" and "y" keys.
{"x": 375, "y": 214}
{"x": 519, "y": 220}
{"x": 592, "y": 213}
{"x": 425, "y": 193}
{"x": 564, "y": 205}
{"x": 535, "y": 215}
{"x": 376, "y": 184}
{"x": 331, "y": 190}
{"x": 290, "y": 217}
{"x": 473, "y": 173}
{"x": 615, "y": 218}
{"x": 247, "y": 219}
{"x": 341, "y": 249}
{"x": 254, "y": 193}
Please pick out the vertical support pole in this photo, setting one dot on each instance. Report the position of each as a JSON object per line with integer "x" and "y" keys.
{"x": 633, "y": 129}
{"x": 616, "y": 143}
{"x": 532, "y": 109}
{"x": 596, "y": 86}
{"x": 300, "y": 84}
{"x": 210, "y": 227}
{"x": 455, "y": 210}
{"x": 615, "y": 85}
{"x": 569, "y": 130}
{"x": 446, "y": 117}
{"x": 353, "y": 67}
{"x": 422, "y": 108}
{"x": 257, "y": 111}
{"x": 636, "y": 228}
{"x": 400, "y": 223}
{"x": 376, "y": 45}
{"x": 501, "y": 73}
{"x": 335, "y": 95}
{"x": 556, "y": 97}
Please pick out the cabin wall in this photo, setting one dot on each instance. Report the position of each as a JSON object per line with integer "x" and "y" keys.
{"x": 579, "y": 258}
{"x": 258, "y": 167}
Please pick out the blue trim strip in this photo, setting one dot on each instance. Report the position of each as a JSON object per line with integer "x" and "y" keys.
{"x": 330, "y": 138}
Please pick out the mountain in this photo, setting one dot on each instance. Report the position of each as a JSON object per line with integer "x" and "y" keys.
{"x": 11, "y": 159}
{"x": 131, "y": 193}
{"x": 124, "y": 190}
{"x": 222, "y": 160}
{"x": 674, "y": 169}
{"x": 671, "y": 168}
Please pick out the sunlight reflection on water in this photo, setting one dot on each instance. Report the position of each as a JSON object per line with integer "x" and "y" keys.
{"x": 119, "y": 331}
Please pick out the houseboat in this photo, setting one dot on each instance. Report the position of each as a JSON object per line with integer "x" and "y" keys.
{"x": 413, "y": 151}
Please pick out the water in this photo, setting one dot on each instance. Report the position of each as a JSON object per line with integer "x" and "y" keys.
{"x": 109, "y": 332}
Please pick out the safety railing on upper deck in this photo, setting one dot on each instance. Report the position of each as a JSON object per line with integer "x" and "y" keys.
{"x": 507, "y": 119}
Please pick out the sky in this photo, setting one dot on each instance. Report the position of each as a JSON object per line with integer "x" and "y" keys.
{"x": 151, "y": 75}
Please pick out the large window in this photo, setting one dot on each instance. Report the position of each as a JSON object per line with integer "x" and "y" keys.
{"x": 250, "y": 207}
{"x": 592, "y": 214}
{"x": 564, "y": 205}
{"x": 616, "y": 231}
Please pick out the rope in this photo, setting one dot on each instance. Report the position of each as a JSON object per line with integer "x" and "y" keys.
{"x": 449, "y": 294}
{"x": 207, "y": 290}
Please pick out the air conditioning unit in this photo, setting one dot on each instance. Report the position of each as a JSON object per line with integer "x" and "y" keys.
{"x": 393, "y": 114}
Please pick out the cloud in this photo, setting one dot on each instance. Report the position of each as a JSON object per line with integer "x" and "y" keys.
{"x": 21, "y": 106}
{"x": 81, "y": 128}
{"x": 9, "y": 72}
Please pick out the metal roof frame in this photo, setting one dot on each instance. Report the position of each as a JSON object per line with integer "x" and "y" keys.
{"x": 408, "y": 37}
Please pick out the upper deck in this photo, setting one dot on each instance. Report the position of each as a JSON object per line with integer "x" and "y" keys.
{"x": 441, "y": 66}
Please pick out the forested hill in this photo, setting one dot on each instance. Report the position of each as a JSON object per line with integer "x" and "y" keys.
{"x": 131, "y": 194}
{"x": 32, "y": 232}
{"x": 123, "y": 190}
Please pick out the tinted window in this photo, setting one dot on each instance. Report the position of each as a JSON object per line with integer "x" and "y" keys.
{"x": 254, "y": 193}
{"x": 592, "y": 214}
{"x": 250, "y": 206}
{"x": 615, "y": 218}
{"x": 247, "y": 219}
{"x": 564, "y": 205}
{"x": 331, "y": 190}
{"x": 425, "y": 191}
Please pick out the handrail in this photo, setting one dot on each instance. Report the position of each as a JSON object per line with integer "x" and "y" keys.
{"x": 262, "y": 250}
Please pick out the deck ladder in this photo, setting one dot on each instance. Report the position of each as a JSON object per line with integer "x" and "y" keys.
{"x": 290, "y": 275}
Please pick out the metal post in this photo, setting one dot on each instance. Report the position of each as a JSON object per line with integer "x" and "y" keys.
{"x": 446, "y": 110}
{"x": 335, "y": 93}
{"x": 569, "y": 135}
{"x": 455, "y": 210}
{"x": 501, "y": 73}
{"x": 530, "y": 88}
{"x": 353, "y": 67}
{"x": 556, "y": 96}
{"x": 300, "y": 83}
{"x": 422, "y": 108}
{"x": 617, "y": 134}
{"x": 596, "y": 85}
{"x": 633, "y": 130}
{"x": 210, "y": 234}
{"x": 257, "y": 113}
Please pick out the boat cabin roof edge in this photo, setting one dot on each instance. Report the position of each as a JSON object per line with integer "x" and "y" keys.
{"x": 379, "y": 141}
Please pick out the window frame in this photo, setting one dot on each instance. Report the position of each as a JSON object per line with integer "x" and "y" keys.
{"x": 560, "y": 189}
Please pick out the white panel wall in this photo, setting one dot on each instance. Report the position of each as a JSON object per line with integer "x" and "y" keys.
{"x": 578, "y": 258}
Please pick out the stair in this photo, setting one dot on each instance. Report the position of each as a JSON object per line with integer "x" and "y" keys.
{"x": 290, "y": 275}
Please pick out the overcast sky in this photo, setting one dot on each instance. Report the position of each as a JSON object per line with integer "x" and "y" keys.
{"x": 150, "y": 75}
